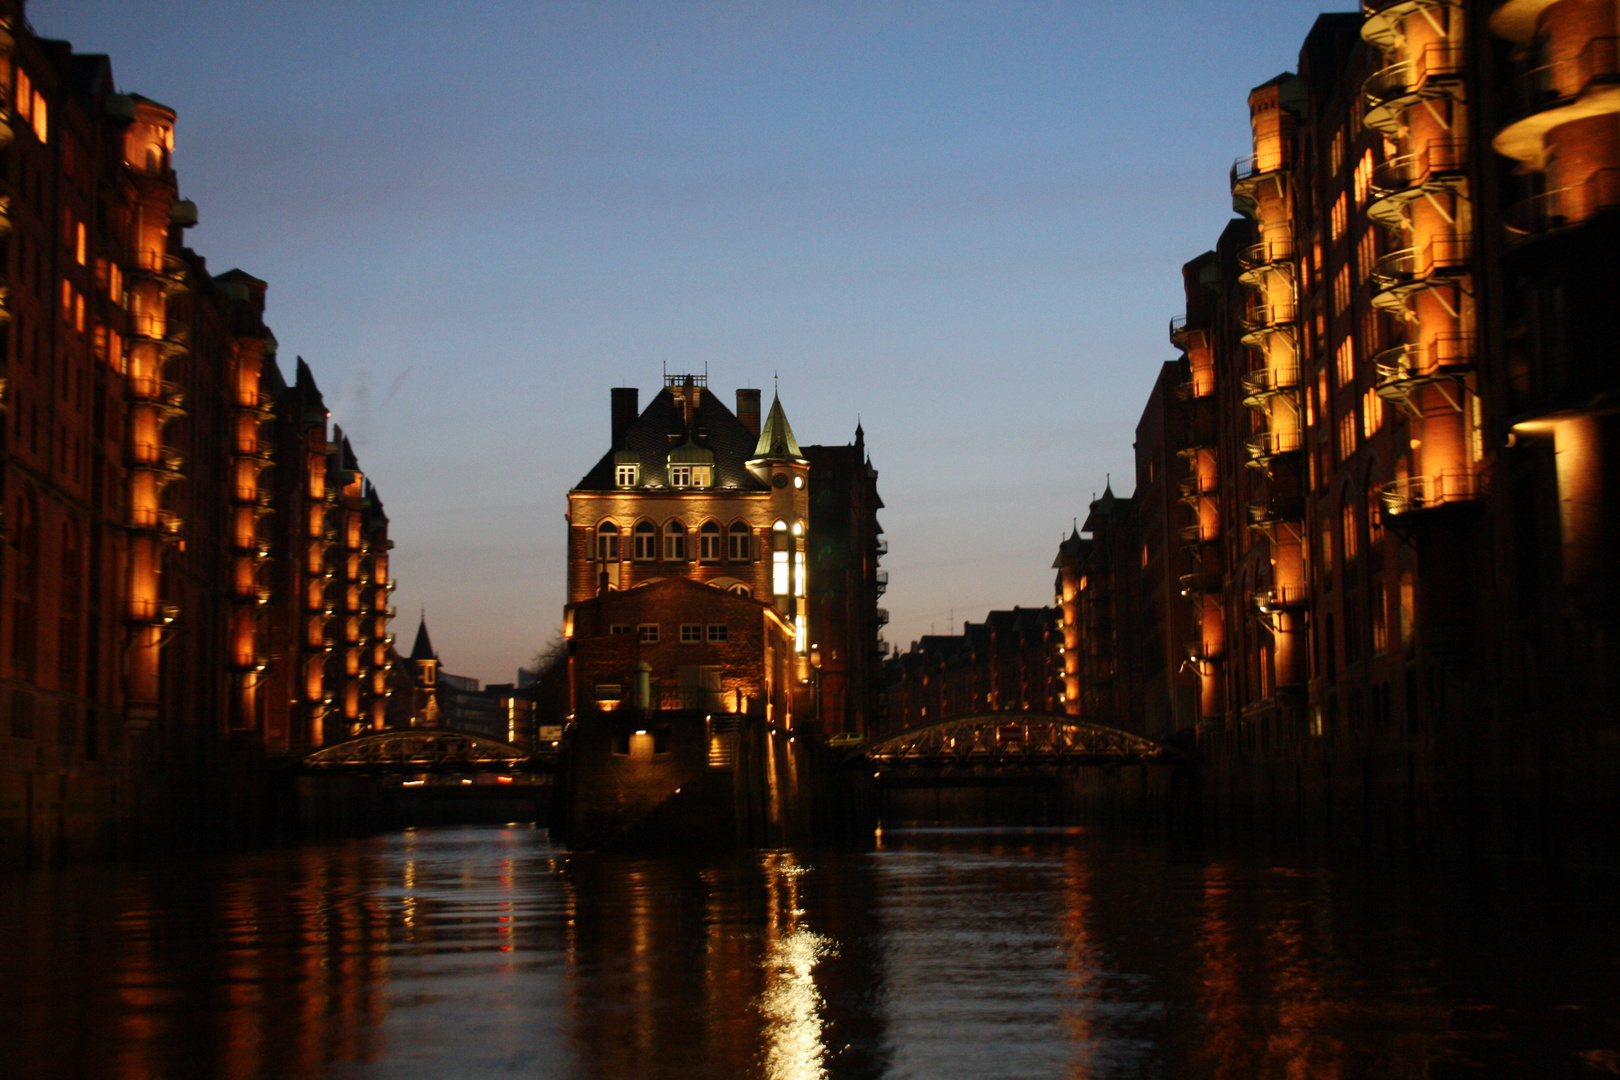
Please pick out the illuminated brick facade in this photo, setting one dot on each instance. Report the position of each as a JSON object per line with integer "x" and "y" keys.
{"x": 1398, "y": 376}
{"x": 157, "y": 634}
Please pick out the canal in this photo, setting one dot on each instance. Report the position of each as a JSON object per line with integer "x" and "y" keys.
{"x": 490, "y": 952}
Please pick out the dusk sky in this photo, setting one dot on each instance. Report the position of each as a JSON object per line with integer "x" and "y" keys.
{"x": 962, "y": 223}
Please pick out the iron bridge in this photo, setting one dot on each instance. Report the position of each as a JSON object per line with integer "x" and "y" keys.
{"x": 426, "y": 750}
{"x": 1011, "y": 741}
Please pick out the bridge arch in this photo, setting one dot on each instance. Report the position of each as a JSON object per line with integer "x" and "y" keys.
{"x": 1014, "y": 740}
{"x": 419, "y": 750}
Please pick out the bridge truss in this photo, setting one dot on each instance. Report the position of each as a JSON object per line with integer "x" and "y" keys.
{"x": 994, "y": 742}
{"x": 422, "y": 750}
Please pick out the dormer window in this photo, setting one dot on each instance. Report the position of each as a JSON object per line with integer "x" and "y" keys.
{"x": 626, "y": 475}
{"x": 680, "y": 476}
{"x": 702, "y": 476}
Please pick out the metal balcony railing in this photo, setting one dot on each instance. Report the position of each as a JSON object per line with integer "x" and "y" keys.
{"x": 1389, "y": 90}
{"x": 166, "y": 395}
{"x": 1268, "y": 252}
{"x": 1269, "y": 444}
{"x": 161, "y": 459}
{"x": 150, "y": 612}
{"x": 1281, "y": 597}
{"x": 1261, "y": 318}
{"x": 1255, "y": 166}
{"x": 1403, "y": 272}
{"x": 1565, "y": 79}
{"x": 1418, "y": 493}
{"x": 1269, "y": 381}
{"x": 1409, "y": 171}
{"x": 156, "y": 520}
{"x": 1196, "y": 535}
{"x": 1553, "y": 210}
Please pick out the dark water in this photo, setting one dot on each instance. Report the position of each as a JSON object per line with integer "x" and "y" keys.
{"x": 491, "y": 953}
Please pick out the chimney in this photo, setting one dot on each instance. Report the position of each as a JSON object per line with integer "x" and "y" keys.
{"x": 748, "y": 410}
{"x": 625, "y": 411}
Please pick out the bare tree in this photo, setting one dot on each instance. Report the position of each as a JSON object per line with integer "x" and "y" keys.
{"x": 549, "y": 656}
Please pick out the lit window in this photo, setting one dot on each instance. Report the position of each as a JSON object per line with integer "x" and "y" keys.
{"x": 702, "y": 476}
{"x": 1372, "y": 412}
{"x": 691, "y": 633}
{"x": 646, "y": 536}
{"x": 619, "y": 628}
{"x": 798, "y": 634}
{"x": 1366, "y": 253}
{"x": 1341, "y": 291}
{"x": 647, "y": 633}
{"x": 674, "y": 542}
{"x": 709, "y": 542}
{"x": 626, "y": 475}
{"x": 1364, "y": 169}
{"x": 1337, "y": 156}
{"x": 680, "y": 476}
{"x": 779, "y": 573}
{"x": 607, "y": 542}
{"x": 40, "y": 128}
{"x": 608, "y": 695}
{"x": 738, "y": 547}
{"x": 1375, "y": 517}
{"x": 719, "y": 631}
{"x": 1350, "y": 536}
{"x": 1340, "y": 216}
{"x": 79, "y": 244}
{"x": 798, "y": 573}
{"x": 1344, "y": 363}
{"x": 1347, "y": 434}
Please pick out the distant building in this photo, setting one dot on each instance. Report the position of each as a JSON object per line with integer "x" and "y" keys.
{"x": 1010, "y": 662}
{"x": 690, "y": 490}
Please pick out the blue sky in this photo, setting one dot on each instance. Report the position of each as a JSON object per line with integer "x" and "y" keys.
{"x": 961, "y": 222}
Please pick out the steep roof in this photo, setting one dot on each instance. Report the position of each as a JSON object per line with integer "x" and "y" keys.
{"x": 423, "y": 649}
{"x": 776, "y": 436}
{"x": 661, "y": 433}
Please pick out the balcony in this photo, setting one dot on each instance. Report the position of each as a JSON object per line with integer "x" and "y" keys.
{"x": 1274, "y": 254}
{"x": 261, "y": 405}
{"x": 165, "y": 523}
{"x": 150, "y": 613}
{"x": 882, "y": 616}
{"x": 1405, "y": 370}
{"x": 167, "y": 397}
{"x": 1200, "y": 584}
{"x": 880, "y": 582}
{"x": 1564, "y": 208}
{"x": 166, "y": 461}
{"x": 253, "y": 450}
{"x": 1251, "y": 171}
{"x": 1267, "y": 446}
{"x": 1266, "y": 383}
{"x": 1281, "y": 598}
{"x": 1262, "y": 320}
{"x": 1194, "y": 488}
{"x": 1441, "y": 166}
{"x": 167, "y": 270}
{"x": 1418, "y": 494}
{"x": 1399, "y": 274}
{"x": 1195, "y": 536}
{"x": 1381, "y": 19}
{"x": 1390, "y": 91}
{"x": 1569, "y": 88}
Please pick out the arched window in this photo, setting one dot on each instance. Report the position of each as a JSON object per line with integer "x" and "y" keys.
{"x": 674, "y": 542}
{"x": 741, "y": 590}
{"x": 607, "y": 542}
{"x": 709, "y": 542}
{"x": 738, "y": 542}
{"x": 646, "y": 541}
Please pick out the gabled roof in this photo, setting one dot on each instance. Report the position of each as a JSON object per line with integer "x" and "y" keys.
{"x": 776, "y": 436}
{"x": 661, "y": 434}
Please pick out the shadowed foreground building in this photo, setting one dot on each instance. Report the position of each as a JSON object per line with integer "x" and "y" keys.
{"x": 701, "y": 644}
{"x": 195, "y": 572}
{"x": 1398, "y": 413}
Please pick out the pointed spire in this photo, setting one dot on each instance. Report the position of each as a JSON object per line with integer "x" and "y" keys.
{"x": 776, "y": 435}
{"x": 423, "y": 649}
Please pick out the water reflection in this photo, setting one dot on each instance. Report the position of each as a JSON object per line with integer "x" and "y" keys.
{"x": 470, "y": 953}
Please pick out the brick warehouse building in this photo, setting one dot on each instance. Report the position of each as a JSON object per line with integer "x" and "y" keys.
{"x": 702, "y": 642}
{"x": 194, "y": 571}
{"x": 1398, "y": 384}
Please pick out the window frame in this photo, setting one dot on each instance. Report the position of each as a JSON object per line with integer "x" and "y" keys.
{"x": 607, "y": 541}
{"x": 691, "y": 633}
{"x": 647, "y": 633}
{"x": 674, "y": 546}
{"x": 710, "y": 542}
{"x": 644, "y": 538}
